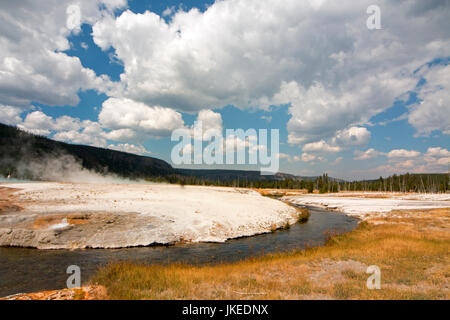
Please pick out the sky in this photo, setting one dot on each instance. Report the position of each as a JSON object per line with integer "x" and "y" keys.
{"x": 353, "y": 101}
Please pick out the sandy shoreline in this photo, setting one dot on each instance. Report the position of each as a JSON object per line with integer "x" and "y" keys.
{"x": 81, "y": 215}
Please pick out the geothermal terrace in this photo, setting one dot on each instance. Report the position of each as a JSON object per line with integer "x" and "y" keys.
{"x": 367, "y": 205}
{"x": 49, "y": 215}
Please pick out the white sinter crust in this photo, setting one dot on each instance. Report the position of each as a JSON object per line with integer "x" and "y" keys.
{"x": 85, "y": 215}
{"x": 366, "y": 205}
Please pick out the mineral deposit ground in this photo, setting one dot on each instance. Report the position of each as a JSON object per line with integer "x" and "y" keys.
{"x": 48, "y": 215}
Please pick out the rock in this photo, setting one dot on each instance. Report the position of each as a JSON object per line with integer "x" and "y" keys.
{"x": 83, "y": 293}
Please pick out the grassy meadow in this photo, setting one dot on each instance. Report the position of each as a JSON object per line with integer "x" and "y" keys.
{"x": 411, "y": 249}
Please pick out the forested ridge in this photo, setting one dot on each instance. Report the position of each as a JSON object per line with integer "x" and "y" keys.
{"x": 18, "y": 149}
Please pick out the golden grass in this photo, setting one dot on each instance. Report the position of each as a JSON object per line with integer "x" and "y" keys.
{"x": 302, "y": 212}
{"x": 281, "y": 192}
{"x": 413, "y": 255}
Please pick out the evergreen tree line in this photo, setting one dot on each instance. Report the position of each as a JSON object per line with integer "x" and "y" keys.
{"x": 422, "y": 183}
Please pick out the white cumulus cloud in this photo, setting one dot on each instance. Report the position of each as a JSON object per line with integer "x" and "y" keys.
{"x": 354, "y": 136}
{"x": 402, "y": 153}
{"x": 321, "y": 147}
{"x": 368, "y": 154}
{"x": 254, "y": 53}
{"x": 10, "y": 115}
{"x": 33, "y": 66}
{"x": 128, "y": 114}
{"x": 433, "y": 112}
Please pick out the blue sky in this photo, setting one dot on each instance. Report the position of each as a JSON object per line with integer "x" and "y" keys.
{"x": 353, "y": 102}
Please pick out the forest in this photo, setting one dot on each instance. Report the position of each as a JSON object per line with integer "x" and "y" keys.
{"x": 423, "y": 183}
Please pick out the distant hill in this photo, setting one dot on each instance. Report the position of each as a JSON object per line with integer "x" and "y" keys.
{"x": 230, "y": 175}
{"x": 20, "y": 151}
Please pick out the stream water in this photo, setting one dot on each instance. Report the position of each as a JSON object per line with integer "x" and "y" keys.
{"x": 30, "y": 270}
